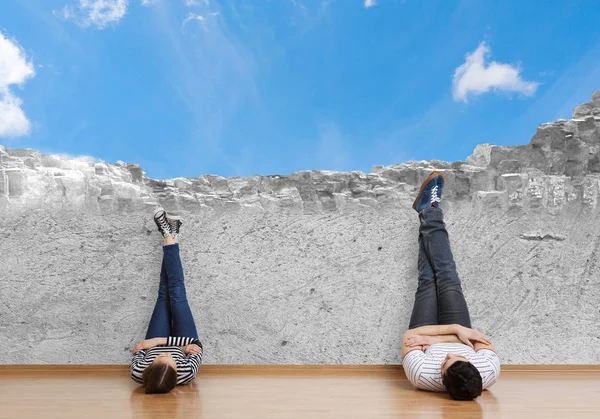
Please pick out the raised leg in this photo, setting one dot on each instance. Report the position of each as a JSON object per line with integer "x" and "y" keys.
{"x": 425, "y": 307}
{"x": 160, "y": 322}
{"x": 181, "y": 315}
{"x": 452, "y": 306}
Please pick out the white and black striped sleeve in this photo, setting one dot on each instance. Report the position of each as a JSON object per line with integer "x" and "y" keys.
{"x": 413, "y": 364}
{"x": 423, "y": 370}
{"x": 187, "y": 368}
{"x": 489, "y": 367}
{"x": 138, "y": 365}
{"x": 181, "y": 341}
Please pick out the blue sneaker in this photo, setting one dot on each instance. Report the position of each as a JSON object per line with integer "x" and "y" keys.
{"x": 430, "y": 194}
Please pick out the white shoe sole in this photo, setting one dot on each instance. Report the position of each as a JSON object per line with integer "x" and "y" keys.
{"x": 172, "y": 216}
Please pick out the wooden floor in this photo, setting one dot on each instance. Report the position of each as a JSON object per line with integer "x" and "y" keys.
{"x": 290, "y": 392}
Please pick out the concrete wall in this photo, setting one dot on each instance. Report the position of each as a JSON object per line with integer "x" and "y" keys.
{"x": 310, "y": 268}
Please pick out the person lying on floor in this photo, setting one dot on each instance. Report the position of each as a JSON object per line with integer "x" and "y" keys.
{"x": 171, "y": 354}
{"x": 440, "y": 351}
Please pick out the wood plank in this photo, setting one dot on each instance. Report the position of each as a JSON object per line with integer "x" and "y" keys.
{"x": 211, "y": 368}
{"x": 255, "y": 392}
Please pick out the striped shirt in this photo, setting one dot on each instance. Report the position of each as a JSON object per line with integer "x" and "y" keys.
{"x": 424, "y": 369}
{"x": 187, "y": 364}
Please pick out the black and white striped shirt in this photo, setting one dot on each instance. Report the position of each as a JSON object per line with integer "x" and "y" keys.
{"x": 187, "y": 364}
{"x": 424, "y": 369}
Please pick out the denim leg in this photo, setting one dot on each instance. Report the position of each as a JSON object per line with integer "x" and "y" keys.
{"x": 181, "y": 314}
{"x": 425, "y": 307}
{"x": 160, "y": 322}
{"x": 452, "y": 307}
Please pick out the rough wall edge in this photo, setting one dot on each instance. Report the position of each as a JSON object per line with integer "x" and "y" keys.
{"x": 559, "y": 169}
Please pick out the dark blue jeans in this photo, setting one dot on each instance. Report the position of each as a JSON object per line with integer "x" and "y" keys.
{"x": 439, "y": 298}
{"x": 172, "y": 315}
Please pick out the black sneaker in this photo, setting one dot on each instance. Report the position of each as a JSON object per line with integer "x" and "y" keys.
{"x": 162, "y": 222}
{"x": 175, "y": 222}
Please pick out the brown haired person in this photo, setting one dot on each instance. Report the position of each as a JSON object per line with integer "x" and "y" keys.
{"x": 440, "y": 351}
{"x": 171, "y": 353}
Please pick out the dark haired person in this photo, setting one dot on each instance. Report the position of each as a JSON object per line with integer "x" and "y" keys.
{"x": 440, "y": 351}
{"x": 171, "y": 353}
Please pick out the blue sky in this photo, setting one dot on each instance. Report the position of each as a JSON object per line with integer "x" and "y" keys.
{"x": 237, "y": 88}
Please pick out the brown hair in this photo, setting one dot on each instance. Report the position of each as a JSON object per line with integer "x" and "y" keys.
{"x": 159, "y": 377}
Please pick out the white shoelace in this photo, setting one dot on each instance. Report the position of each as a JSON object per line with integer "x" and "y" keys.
{"x": 174, "y": 228}
{"x": 434, "y": 195}
{"x": 164, "y": 224}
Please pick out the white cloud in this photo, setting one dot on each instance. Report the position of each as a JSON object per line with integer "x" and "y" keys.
{"x": 149, "y": 2}
{"x": 193, "y": 16}
{"x": 476, "y": 76}
{"x": 13, "y": 122}
{"x": 98, "y": 13}
{"x": 200, "y": 18}
{"x": 192, "y": 3}
{"x": 15, "y": 69}
{"x": 370, "y": 3}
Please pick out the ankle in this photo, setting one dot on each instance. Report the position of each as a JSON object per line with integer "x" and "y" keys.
{"x": 169, "y": 240}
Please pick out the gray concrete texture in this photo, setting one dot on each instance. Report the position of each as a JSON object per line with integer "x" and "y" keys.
{"x": 316, "y": 267}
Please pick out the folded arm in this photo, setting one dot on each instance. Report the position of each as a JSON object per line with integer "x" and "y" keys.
{"x": 180, "y": 341}
{"x": 422, "y": 342}
{"x": 480, "y": 345}
{"x": 434, "y": 330}
{"x": 421, "y": 337}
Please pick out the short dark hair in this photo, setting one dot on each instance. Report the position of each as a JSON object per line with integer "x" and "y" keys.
{"x": 463, "y": 381}
{"x": 159, "y": 377}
